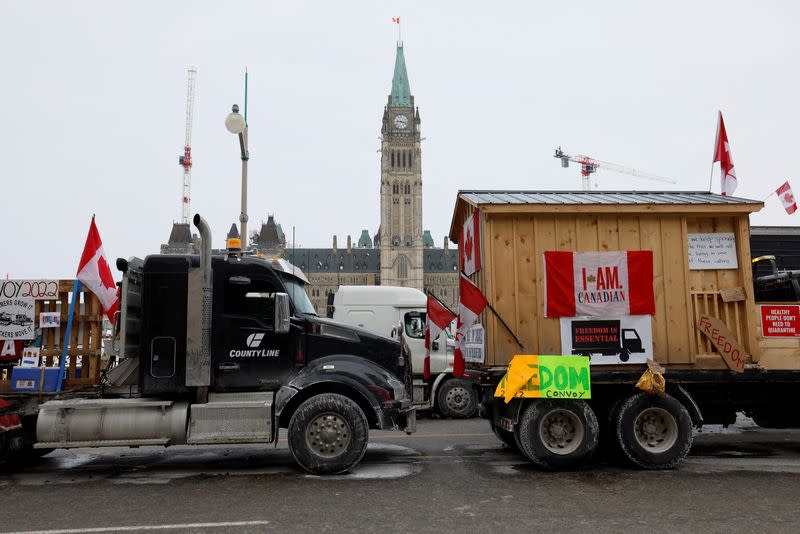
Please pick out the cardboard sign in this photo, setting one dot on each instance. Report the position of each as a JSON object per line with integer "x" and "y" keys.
{"x": 712, "y": 251}
{"x": 625, "y": 339}
{"x": 546, "y": 377}
{"x": 732, "y": 294}
{"x": 16, "y": 318}
{"x": 474, "y": 345}
{"x": 34, "y": 289}
{"x": 724, "y": 341}
{"x": 30, "y": 357}
{"x": 49, "y": 319}
{"x": 780, "y": 320}
{"x": 10, "y": 352}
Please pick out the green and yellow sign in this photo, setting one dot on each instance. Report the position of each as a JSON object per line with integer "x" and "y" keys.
{"x": 546, "y": 377}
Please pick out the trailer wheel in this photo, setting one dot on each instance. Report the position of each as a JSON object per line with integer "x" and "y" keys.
{"x": 558, "y": 434}
{"x": 457, "y": 399}
{"x": 506, "y": 437}
{"x": 328, "y": 434}
{"x": 652, "y": 431}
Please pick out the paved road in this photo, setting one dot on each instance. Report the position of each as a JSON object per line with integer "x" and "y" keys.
{"x": 450, "y": 476}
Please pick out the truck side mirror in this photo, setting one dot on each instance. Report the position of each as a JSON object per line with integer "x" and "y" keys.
{"x": 435, "y": 345}
{"x": 282, "y": 313}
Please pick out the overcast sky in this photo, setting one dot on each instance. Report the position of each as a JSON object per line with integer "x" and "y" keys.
{"x": 92, "y": 109}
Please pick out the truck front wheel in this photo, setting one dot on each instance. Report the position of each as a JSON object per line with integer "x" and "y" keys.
{"x": 328, "y": 434}
{"x": 457, "y": 399}
{"x": 558, "y": 434}
{"x": 653, "y": 432}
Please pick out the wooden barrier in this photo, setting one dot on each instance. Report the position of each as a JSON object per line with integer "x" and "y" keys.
{"x": 83, "y": 352}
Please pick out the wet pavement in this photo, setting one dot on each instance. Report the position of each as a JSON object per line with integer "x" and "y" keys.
{"x": 451, "y": 475}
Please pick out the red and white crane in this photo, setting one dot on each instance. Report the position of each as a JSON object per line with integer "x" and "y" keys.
{"x": 185, "y": 160}
{"x": 590, "y": 165}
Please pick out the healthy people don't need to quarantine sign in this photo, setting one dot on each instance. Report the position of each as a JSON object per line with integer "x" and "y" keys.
{"x": 546, "y": 377}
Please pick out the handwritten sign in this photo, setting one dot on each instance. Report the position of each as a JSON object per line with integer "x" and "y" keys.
{"x": 724, "y": 341}
{"x": 712, "y": 251}
{"x": 546, "y": 377}
{"x": 474, "y": 345}
{"x": 780, "y": 320}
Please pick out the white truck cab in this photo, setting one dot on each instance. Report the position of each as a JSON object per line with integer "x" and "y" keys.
{"x": 399, "y": 313}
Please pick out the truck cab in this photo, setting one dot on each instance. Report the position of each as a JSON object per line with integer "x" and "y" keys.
{"x": 400, "y": 313}
{"x": 227, "y": 348}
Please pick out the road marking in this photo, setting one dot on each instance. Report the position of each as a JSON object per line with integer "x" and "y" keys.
{"x": 143, "y": 527}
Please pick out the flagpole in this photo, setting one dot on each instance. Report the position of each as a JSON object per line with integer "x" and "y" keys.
{"x": 499, "y": 318}
{"x": 76, "y": 287}
{"x": 716, "y": 140}
{"x": 440, "y": 302}
{"x": 766, "y": 197}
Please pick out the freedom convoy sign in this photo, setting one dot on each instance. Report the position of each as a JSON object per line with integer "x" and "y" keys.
{"x": 546, "y": 377}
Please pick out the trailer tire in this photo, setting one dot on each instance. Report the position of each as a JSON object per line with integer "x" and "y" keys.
{"x": 328, "y": 434}
{"x": 457, "y": 399}
{"x": 558, "y": 434}
{"x": 653, "y": 431}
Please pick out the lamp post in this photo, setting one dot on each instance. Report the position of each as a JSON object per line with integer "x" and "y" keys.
{"x": 236, "y": 124}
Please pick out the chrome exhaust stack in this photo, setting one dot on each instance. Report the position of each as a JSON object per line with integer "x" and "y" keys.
{"x": 198, "y": 331}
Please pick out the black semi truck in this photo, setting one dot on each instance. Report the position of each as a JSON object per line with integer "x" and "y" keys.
{"x": 228, "y": 349}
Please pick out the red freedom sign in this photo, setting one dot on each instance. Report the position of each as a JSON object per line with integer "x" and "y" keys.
{"x": 780, "y": 320}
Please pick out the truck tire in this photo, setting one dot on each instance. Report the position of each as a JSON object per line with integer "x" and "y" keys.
{"x": 328, "y": 434}
{"x": 653, "y": 431}
{"x": 557, "y": 434}
{"x": 506, "y": 437}
{"x": 457, "y": 399}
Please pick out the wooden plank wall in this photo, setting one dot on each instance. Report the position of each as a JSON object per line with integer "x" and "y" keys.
{"x": 513, "y": 265}
{"x": 84, "y": 348}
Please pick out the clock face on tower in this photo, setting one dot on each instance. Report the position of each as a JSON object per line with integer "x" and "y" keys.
{"x": 400, "y": 122}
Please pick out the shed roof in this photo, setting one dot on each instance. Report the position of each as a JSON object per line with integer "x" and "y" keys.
{"x": 598, "y": 202}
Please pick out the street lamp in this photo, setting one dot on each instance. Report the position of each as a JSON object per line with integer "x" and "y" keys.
{"x": 236, "y": 124}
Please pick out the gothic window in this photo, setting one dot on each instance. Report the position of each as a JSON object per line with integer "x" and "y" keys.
{"x": 410, "y": 159}
{"x": 402, "y": 267}
{"x": 404, "y": 158}
{"x": 395, "y": 201}
{"x": 392, "y": 158}
{"x": 408, "y": 189}
{"x": 407, "y": 201}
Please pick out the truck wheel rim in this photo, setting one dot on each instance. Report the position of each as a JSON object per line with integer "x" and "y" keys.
{"x": 328, "y": 435}
{"x": 458, "y": 398}
{"x": 561, "y": 432}
{"x": 656, "y": 430}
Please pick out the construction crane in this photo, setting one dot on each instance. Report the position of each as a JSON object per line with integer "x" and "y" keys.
{"x": 185, "y": 160}
{"x": 590, "y": 165}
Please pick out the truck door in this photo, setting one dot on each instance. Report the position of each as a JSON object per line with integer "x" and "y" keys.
{"x": 414, "y": 334}
{"x": 248, "y": 354}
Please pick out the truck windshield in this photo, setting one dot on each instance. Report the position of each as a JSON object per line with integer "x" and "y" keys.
{"x": 297, "y": 293}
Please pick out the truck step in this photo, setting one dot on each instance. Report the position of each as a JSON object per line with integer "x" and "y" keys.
{"x": 232, "y": 418}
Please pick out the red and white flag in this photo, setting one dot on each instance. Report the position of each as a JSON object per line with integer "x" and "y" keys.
{"x": 471, "y": 303}
{"x": 598, "y": 284}
{"x": 722, "y": 153}
{"x": 438, "y": 317}
{"x": 95, "y": 273}
{"x": 786, "y": 197}
{"x": 469, "y": 245}
{"x": 396, "y": 20}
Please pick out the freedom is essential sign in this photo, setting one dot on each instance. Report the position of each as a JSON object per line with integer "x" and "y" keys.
{"x": 546, "y": 377}
{"x": 598, "y": 284}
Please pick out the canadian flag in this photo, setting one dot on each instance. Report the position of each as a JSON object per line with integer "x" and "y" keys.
{"x": 471, "y": 303}
{"x": 722, "y": 153}
{"x": 94, "y": 273}
{"x": 396, "y": 20}
{"x": 598, "y": 284}
{"x": 786, "y": 196}
{"x": 469, "y": 248}
{"x": 438, "y": 317}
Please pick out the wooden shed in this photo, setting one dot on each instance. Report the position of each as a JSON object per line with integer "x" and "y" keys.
{"x": 518, "y": 227}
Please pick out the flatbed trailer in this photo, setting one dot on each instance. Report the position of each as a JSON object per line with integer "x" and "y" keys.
{"x": 716, "y": 346}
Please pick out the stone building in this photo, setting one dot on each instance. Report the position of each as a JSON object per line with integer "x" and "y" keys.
{"x": 401, "y": 253}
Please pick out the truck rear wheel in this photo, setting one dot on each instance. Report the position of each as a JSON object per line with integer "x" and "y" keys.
{"x": 653, "y": 431}
{"x": 328, "y": 434}
{"x": 457, "y": 399}
{"x": 557, "y": 434}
